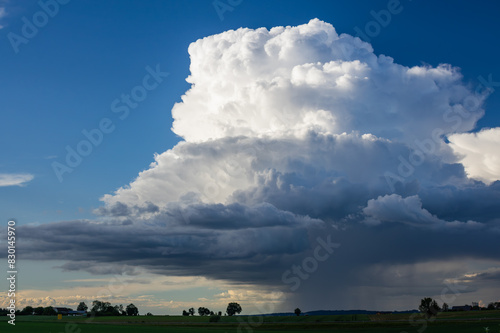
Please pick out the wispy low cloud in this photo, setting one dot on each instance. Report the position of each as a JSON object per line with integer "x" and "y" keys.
{"x": 50, "y": 157}
{"x": 491, "y": 274}
{"x": 3, "y": 13}
{"x": 15, "y": 179}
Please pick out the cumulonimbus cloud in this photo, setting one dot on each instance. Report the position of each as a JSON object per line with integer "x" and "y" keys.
{"x": 255, "y": 91}
{"x": 287, "y": 131}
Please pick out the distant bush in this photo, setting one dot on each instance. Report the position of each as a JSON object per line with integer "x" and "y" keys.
{"x": 214, "y": 319}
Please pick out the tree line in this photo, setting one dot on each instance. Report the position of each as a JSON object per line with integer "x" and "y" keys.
{"x": 99, "y": 308}
{"x": 106, "y": 309}
{"x": 430, "y": 307}
{"x": 29, "y": 310}
{"x": 232, "y": 309}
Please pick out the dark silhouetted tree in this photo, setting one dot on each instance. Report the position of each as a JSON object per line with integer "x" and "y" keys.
{"x": 191, "y": 311}
{"x": 82, "y": 307}
{"x": 117, "y": 310}
{"x": 445, "y": 307}
{"x": 233, "y": 308}
{"x": 103, "y": 308}
{"x": 297, "y": 311}
{"x": 132, "y": 310}
{"x": 429, "y": 307}
{"x": 203, "y": 311}
{"x": 39, "y": 310}
{"x": 214, "y": 318}
{"x": 27, "y": 310}
{"x": 49, "y": 311}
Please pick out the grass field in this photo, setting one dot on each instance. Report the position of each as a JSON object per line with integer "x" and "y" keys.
{"x": 453, "y": 322}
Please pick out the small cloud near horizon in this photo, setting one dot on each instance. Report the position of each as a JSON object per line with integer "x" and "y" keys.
{"x": 15, "y": 179}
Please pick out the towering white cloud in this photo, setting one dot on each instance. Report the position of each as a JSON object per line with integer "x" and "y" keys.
{"x": 285, "y": 80}
{"x": 479, "y": 153}
{"x": 257, "y": 95}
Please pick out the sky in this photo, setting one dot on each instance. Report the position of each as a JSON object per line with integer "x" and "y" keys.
{"x": 281, "y": 154}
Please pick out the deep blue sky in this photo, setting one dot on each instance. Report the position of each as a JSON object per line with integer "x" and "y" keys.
{"x": 64, "y": 79}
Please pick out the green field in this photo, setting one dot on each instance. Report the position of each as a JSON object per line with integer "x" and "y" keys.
{"x": 456, "y": 322}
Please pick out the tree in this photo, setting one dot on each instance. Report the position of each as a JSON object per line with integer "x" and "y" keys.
{"x": 117, "y": 310}
{"x": 214, "y": 318}
{"x": 27, "y": 310}
{"x": 149, "y": 314}
{"x": 445, "y": 307}
{"x": 105, "y": 309}
{"x": 429, "y": 307}
{"x": 233, "y": 308}
{"x": 297, "y": 312}
{"x": 102, "y": 308}
{"x": 185, "y": 313}
{"x": 122, "y": 311}
{"x": 191, "y": 311}
{"x": 82, "y": 307}
{"x": 96, "y": 307}
{"x": 49, "y": 311}
{"x": 203, "y": 311}
{"x": 132, "y": 310}
{"x": 39, "y": 310}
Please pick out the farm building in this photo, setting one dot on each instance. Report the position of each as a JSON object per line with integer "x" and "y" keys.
{"x": 461, "y": 308}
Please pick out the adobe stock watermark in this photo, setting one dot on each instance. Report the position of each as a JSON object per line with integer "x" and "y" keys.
{"x": 293, "y": 278}
{"x": 11, "y": 271}
{"x": 253, "y": 322}
{"x": 381, "y": 19}
{"x": 226, "y": 175}
{"x": 222, "y": 6}
{"x": 373, "y": 28}
{"x": 48, "y": 9}
{"x": 120, "y": 106}
{"x": 232, "y": 170}
{"x": 448, "y": 295}
{"x": 455, "y": 117}
{"x": 299, "y": 273}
